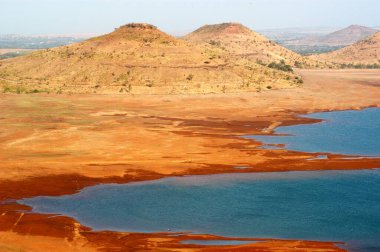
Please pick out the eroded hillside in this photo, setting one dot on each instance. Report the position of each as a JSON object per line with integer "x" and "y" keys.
{"x": 243, "y": 42}
{"x": 138, "y": 59}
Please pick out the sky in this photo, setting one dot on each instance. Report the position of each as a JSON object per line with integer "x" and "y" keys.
{"x": 178, "y": 17}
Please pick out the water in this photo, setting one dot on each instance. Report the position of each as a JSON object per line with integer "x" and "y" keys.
{"x": 343, "y": 132}
{"x": 326, "y": 205}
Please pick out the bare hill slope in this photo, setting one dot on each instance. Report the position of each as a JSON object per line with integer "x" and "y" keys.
{"x": 138, "y": 58}
{"x": 246, "y": 43}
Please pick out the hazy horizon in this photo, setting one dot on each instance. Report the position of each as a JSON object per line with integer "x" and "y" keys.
{"x": 177, "y": 17}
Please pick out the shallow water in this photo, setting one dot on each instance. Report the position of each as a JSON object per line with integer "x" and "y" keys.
{"x": 326, "y": 205}
{"x": 342, "y": 132}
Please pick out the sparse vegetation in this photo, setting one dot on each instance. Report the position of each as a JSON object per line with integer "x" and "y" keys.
{"x": 215, "y": 43}
{"x": 282, "y": 66}
{"x": 360, "y": 66}
{"x": 189, "y": 77}
{"x": 224, "y": 88}
{"x": 115, "y": 62}
{"x": 149, "y": 83}
{"x": 22, "y": 90}
{"x": 298, "y": 64}
{"x": 260, "y": 62}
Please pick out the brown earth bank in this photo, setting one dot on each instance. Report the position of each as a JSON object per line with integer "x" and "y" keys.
{"x": 59, "y": 144}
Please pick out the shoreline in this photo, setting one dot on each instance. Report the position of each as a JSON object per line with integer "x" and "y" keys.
{"x": 12, "y": 209}
{"x": 218, "y": 138}
{"x": 67, "y": 228}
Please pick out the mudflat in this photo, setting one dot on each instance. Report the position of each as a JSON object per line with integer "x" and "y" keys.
{"x": 59, "y": 144}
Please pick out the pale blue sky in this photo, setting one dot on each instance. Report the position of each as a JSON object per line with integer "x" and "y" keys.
{"x": 179, "y": 16}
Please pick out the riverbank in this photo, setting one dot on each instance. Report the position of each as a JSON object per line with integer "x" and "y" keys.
{"x": 59, "y": 144}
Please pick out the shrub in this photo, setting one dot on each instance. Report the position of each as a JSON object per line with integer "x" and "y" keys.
{"x": 7, "y": 90}
{"x": 282, "y": 66}
{"x": 215, "y": 43}
{"x": 149, "y": 83}
{"x": 298, "y": 64}
{"x": 360, "y": 66}
{"x": 260, "y": 62}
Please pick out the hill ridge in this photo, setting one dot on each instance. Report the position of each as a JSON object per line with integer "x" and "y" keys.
{"x": 244, "y": 42}
{"x": 140, "y": 59}
{"x": 343, "y": 37}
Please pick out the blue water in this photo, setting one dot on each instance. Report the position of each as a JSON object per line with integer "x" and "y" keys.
{"x": 343, "y": 132}
{"x": 325, "y": 205}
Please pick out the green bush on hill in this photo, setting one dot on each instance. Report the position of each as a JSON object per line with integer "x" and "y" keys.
{"x": 282, "y": 66}
{"x": 215, "y": 43}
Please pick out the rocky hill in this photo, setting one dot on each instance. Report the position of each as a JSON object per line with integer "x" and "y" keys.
{"x": 365, "y": 52}
{"x": 139, "y": 59}
{"x": 242, "y": 41}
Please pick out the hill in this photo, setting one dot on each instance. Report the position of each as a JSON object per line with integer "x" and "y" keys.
{"x": 137, "y": 58}
{"x": 323, "y": 43}
{"x": 243, "y": 42}
{"x": 365, "y": 52}
{"x": 344, "y": 37}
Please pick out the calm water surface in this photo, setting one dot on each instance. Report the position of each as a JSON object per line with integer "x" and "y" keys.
{"x": 328, "y": 205}
{"x": 343, "y": 132}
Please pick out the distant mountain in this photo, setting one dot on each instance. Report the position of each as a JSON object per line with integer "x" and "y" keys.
{"x": 11, "y": 53}
{"x": 366, "y": 51}
{"x": 344, "y": 37}
{"x": 35, "y": 42}
{"x": 288, "y": 34}
{"x": 138, "y": 58}
{"x": 243, "y": 42}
